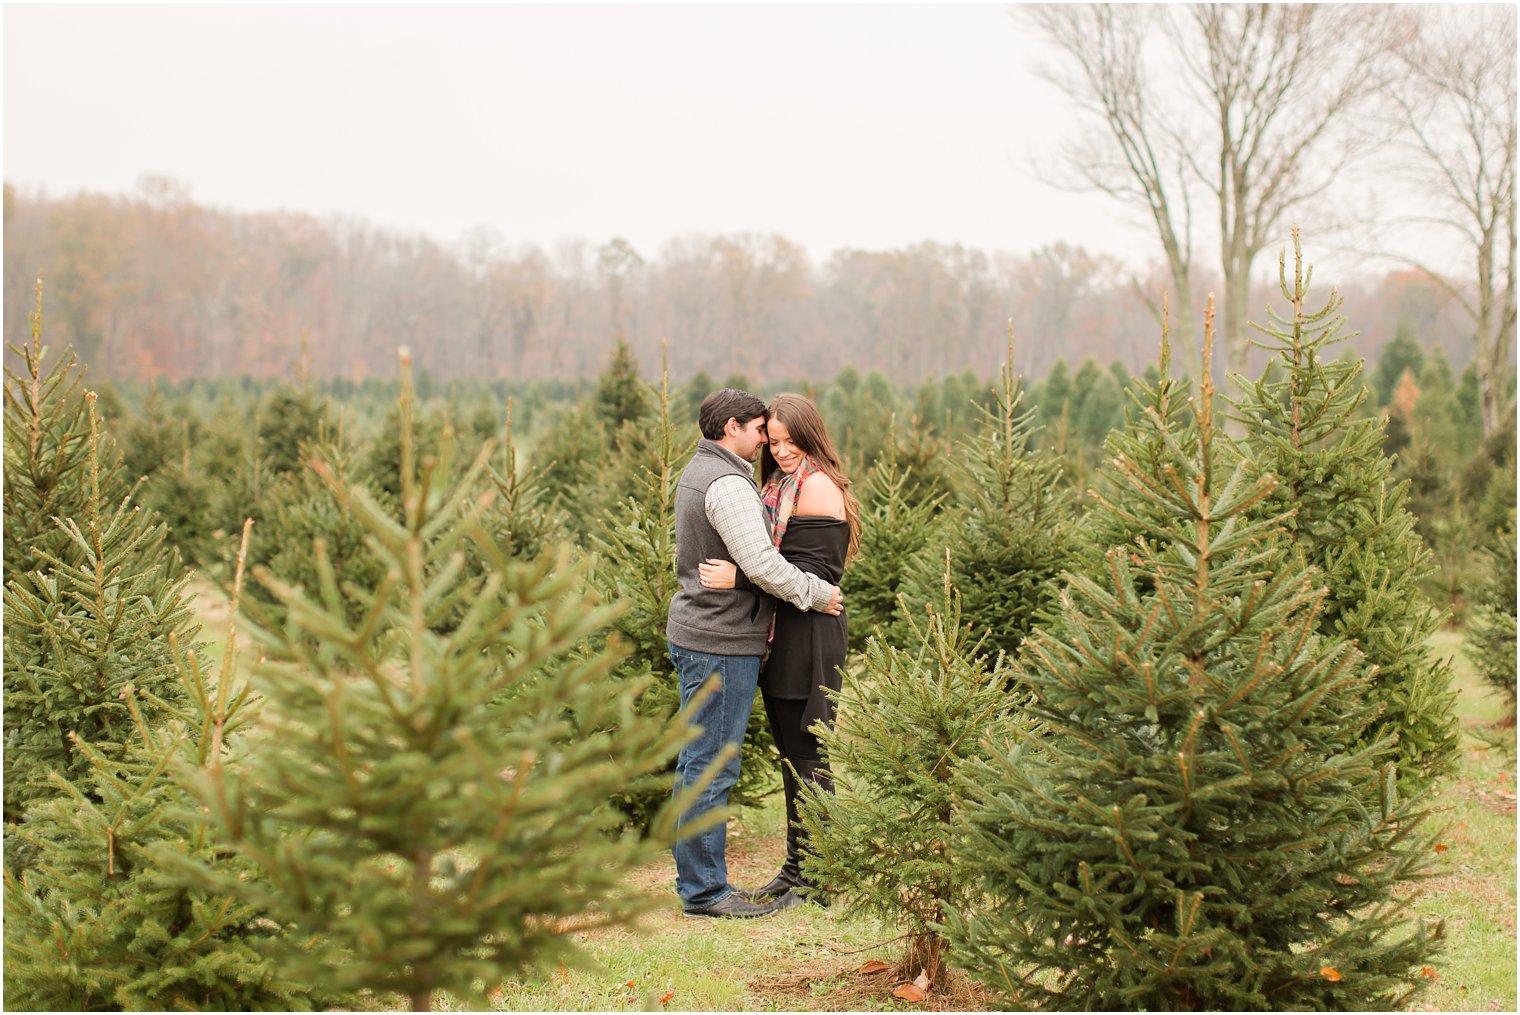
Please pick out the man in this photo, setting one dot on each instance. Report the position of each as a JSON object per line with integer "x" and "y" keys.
{"x": 722, "y": 633}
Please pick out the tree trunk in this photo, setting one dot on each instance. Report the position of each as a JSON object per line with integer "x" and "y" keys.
{"x": 926, "y": 954}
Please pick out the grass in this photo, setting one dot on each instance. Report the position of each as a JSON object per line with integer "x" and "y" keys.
{"x": 788, "y": 962}
{"x": 1475, "y": 891}
{"x": 808, "y": 959}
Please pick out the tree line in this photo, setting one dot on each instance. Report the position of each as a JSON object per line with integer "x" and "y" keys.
{"x": 154, "y": 285}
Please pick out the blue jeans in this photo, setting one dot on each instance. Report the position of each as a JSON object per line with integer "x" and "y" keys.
{"x": 701, "y": 864}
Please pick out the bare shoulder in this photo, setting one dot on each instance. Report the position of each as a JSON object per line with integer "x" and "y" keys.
{"x": 820, "y": 495}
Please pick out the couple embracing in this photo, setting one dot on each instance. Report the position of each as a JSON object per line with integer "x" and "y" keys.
{"x": 758, "y": 604}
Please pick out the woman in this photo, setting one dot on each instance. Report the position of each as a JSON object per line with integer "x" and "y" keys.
{"x": 815, "y": 522}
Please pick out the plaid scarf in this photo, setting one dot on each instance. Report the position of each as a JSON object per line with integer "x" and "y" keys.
{"x": 780, "y": 497}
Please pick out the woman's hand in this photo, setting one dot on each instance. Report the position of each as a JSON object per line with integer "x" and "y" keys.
{"x": 717, "y": 574}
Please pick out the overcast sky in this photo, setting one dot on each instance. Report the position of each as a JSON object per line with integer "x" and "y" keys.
{"x": 839, "y": 126}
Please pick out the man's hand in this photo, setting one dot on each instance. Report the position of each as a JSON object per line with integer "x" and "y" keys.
{"x": 836, "y": 605}
{"x": 717, "y": 574}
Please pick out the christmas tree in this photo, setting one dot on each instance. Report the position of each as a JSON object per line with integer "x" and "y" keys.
{"x": 298, "y": 509}
{"x": 894, "y": 530}
{"x": 524, "y": 522}
{"x": 1198, "y": 821}
{"x": 1155, "y": 431}
{"x": 48, "y": 470}
{"x": 1349, "y": 521}
{"x": 101, "y": 920}
{"x": 428, "y": 809}
{"x": 908, "y": 719}
{"x": 621, "y": 396}
{"x": 89, "y": 615}
{"x": 287, "y": 418}
{"x": 1010, "y": 525}
{"x": 1491, "y": 622}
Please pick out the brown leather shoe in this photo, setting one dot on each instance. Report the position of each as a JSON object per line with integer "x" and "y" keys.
{"x": 732, "y": 906}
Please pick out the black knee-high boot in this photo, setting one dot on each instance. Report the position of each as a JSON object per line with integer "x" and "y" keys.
{"x": 791, "y": 870}
{"x": 814, "y": 773}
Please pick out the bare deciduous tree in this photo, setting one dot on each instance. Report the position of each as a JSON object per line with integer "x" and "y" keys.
{"x": 1137, "y": 155}
{"x": 1456, "y": 98}
{"x": 1254, "y": 108}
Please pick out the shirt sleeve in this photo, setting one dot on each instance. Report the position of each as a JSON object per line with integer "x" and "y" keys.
{"x": 734, "y": 511}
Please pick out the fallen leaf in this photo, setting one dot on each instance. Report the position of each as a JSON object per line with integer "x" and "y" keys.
{"x": 874, "y": 966}
{"x": 1331, "y": 973}
{"x": 922, "y": 982}
{"x": 909, "y": 992}
{"x": 1441, "y": 847}
{"x": 629, "y": 984}
{"x": 665, "y": 997}
{"x": 1429, "y": 974}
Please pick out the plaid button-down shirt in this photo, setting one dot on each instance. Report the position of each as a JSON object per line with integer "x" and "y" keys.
{"x": 733, "y": 508}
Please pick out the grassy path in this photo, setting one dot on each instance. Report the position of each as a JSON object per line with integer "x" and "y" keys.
{"x": 1475, "y": 894}
{"x": 808, "y": 959}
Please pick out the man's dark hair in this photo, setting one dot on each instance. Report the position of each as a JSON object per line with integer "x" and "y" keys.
{"x": 721, "y": 406}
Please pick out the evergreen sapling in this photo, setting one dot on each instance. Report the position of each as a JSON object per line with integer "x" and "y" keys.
{"x": 91, "y": 618}
{"x": 1491, "y": 621}
{"x": 1348, "y": 521}
{"x": 894, "y": 529}
{"x": 1011, "y": 525}
{"x": 1197, "y": 822}
{"x": 104, "y": 920}
{"x": 908, "y": 719}
{"x": 428, "y": 809}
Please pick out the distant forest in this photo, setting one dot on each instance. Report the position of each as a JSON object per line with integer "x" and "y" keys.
{"x": 153, "y": 285}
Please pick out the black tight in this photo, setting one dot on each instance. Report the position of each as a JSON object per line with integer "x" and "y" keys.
{"x": 794, "y": 743}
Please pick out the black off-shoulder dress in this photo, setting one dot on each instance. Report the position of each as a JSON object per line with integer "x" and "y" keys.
{"x": 808, "y": 647}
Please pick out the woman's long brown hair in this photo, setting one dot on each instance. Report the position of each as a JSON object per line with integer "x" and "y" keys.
{"x": 807, "y": 431}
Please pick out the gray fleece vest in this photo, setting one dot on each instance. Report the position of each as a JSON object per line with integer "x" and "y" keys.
{"x": 719, "y": 621}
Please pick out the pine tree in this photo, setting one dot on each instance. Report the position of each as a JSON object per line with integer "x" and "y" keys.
{"x": 181, "y": 495}
{"x": 92, "y": 617}
{"x": 894, "y": 529}
{"x": 1011, "y": 525}
{"x": 288, "y": 417}
{"x": 429, "y": 809}
{"x": 102, "y": 920}
{"x": 1154, "y": 433}
{"x": 621, "y": 395}
{"x": 379, "y": 465}
{"x": 572, "y": 459}
{"x": 1349, "y": 521}
{"x": 48, "y": 471}
{"x": 226, "y": 457}
{"x": 1402, "y": 353}
{"x": 297, "y": 510}
{"x": 912, "y": 715}
{"x": 924, "y": 460}
{"x": 524, "y": 523}
{"x": 1099, "y": 404}
{"x": 1491, "y": 622}
{"x": 1193, "y": 825}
